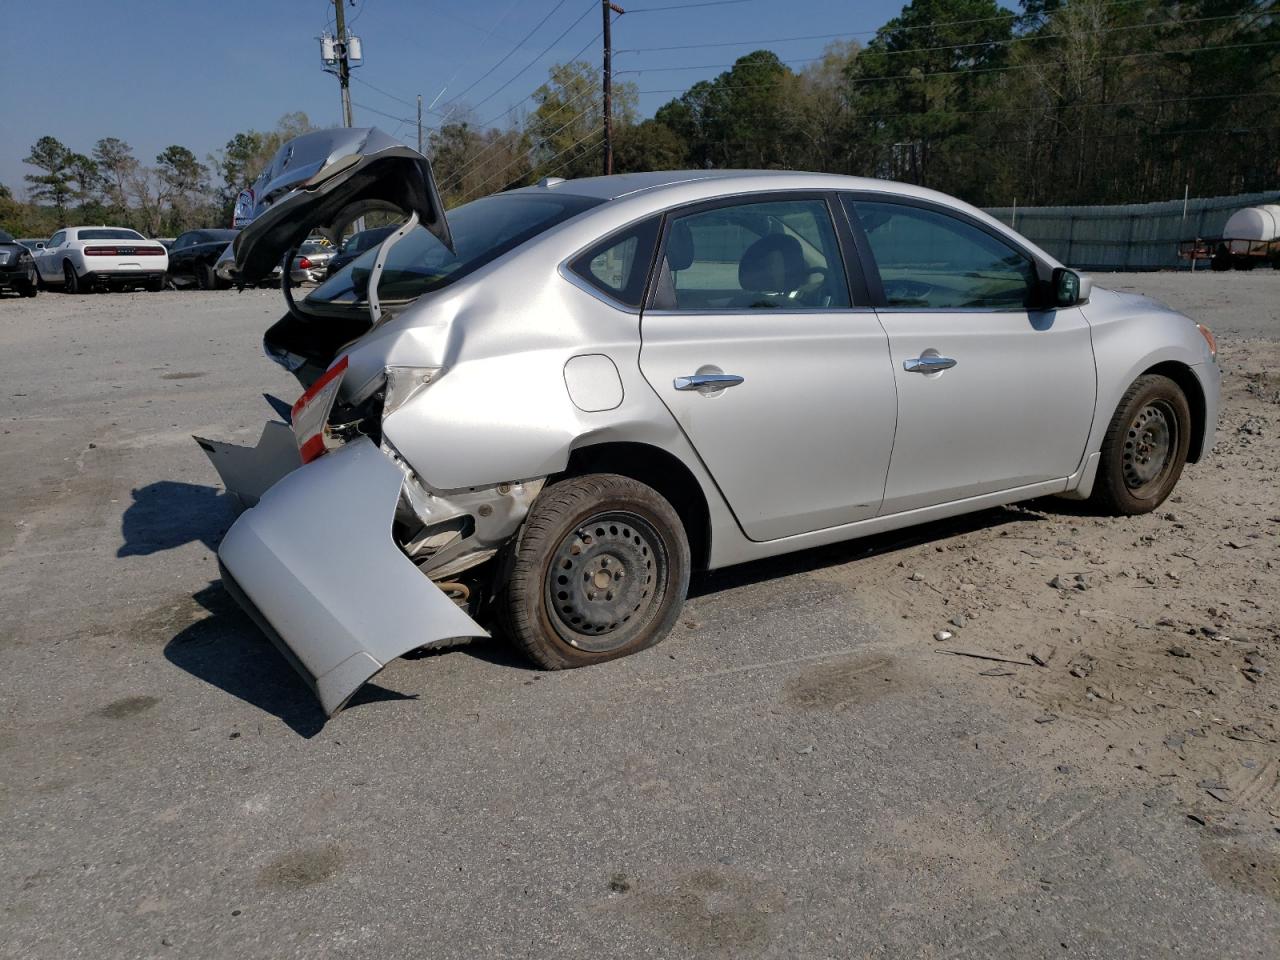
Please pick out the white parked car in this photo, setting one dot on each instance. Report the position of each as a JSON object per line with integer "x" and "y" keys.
{"x": 77, "y": 259}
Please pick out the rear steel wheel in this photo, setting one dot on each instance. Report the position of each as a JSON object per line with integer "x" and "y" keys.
{"x": 602, "y": 576}
{"x": 599, "y": 570}
{"x": 1145, "y": 447}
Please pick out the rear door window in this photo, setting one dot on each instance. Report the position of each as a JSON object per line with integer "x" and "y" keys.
{"x": 776, "y": 254}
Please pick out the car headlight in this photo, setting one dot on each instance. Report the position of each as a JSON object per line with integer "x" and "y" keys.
{"x": 4, "y": 257}
{"x": 403, "y": 384}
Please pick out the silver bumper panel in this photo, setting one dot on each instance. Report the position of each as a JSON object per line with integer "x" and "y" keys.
{"x": 315, "y": 565}
{"x": 249, "y": 472}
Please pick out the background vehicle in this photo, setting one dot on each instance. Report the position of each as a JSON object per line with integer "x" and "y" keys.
{"x": 568, "y": 397}
{"x": 17, "y": 268}
{"x": 355, "y": 245}
{"x": 310, "y": 262}
{"x": 78, "y": 259}
{"x": 193, "y": 256}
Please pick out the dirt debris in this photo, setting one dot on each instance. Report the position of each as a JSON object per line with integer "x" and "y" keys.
{"x": 1164, "y": 625}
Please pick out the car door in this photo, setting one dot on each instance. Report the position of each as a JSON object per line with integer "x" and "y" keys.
{"x": 995, "y": 391}
{"x": 776, "y": 374}
{"x": 49, "y": 260}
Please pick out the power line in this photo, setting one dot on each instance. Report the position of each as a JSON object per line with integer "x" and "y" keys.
{"x": 457, "y": 176}
{"x": 492, "y": 30}
{"x": 576, "y": 143}
{"x": 590, "y": 9}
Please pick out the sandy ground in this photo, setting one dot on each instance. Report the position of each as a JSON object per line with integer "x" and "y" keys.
{"x": 801, "y": 769}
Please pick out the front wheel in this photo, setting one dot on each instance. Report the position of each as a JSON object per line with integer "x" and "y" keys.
{"x": 1145, "y": 447}
{"x": 599, "y": 570}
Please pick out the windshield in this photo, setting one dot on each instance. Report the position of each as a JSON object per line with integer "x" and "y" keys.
{"x": 313, "y": 246}
{"x": 5, "y": 238}
{"x": 209, "y": 236}
{"x": 108, "y": 233}
{"x": 483, "y": 230}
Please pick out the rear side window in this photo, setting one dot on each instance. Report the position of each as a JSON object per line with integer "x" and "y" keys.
{"x": 618, "y": 266}
{"x": 931, "y": 261}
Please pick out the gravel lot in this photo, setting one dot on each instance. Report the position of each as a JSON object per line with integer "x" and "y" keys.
{"x": 800, "y": 770}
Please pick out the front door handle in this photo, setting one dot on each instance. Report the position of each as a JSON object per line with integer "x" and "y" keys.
{"x": 706, "y": 381}
{"x": 928, "y": 364}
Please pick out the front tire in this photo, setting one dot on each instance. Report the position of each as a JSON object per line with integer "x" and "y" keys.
{"x": 205, "y": 279}
{"x": 599, "y": 570}
{"x": 30, "y": 286}
{"x": 1145, "y": 447}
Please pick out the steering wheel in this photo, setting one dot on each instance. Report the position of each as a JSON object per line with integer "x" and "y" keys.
{"x": 904, "y": 292}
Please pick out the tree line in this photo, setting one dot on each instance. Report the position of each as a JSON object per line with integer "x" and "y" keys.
{"x": 1086, "y": 102}
{"x": 110, "y": 185}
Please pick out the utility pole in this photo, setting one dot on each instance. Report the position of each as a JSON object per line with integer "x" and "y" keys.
{"x": 344, "y": 65}
{"x": 608, "y": 9}
{"x": 340, "y": 55}
{"x": 420, "y": 123}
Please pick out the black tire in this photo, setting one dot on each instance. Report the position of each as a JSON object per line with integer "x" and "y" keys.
{"x": 1145, "y": 447}
{"x": 599, "y": 570}
{"x": 30, "y": 286}
{"x": 205, "y": 279}
{"x": 70, "y": 281}
{"x": 156, "y": 284}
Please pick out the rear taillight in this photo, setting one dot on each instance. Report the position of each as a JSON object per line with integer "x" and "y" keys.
{"x": 123, "y": 251}
{"x": 99, "y": 251}
{"x": 304, "y": 264}
{"x": 311, "y": 413}
{"x": 150, "y": 251}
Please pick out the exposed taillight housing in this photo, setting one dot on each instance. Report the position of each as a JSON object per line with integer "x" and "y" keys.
{"x": 311, "y": 413}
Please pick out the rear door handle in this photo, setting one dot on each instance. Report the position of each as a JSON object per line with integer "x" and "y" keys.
{"x": 928, "y": 364}
{"x": 706, "y": 381}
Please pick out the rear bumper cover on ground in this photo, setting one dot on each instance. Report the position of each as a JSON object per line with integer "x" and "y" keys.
{"x": 315, "y": 565}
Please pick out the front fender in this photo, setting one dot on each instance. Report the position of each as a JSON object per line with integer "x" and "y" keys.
{"x": 1128, "y": 342}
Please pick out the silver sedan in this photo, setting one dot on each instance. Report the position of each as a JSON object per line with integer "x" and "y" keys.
{"x": 546, "y": 412}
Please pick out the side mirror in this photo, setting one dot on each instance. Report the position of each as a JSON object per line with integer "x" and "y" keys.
{"x": 40, "y": 245}
{"x": 1069, "y": 288}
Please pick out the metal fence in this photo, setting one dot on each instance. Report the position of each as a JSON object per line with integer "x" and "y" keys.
{"x": 1134, "y": 236}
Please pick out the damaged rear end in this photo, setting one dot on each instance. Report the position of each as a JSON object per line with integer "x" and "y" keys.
{"x": 342, "y": 556}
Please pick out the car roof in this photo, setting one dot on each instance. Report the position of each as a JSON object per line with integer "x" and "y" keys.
{"x": 724, "y": 181}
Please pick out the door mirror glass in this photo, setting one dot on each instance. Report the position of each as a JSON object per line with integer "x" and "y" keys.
{"x": 1069, "y": 288}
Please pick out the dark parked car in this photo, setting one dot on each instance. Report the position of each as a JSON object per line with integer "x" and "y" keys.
{"x": 17, "y": 269}
{"x": 355, "y": 245}
{"x": 193, "y": 255}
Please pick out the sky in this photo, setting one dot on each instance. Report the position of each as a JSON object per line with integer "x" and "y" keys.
{"x": 159, "y": 72}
